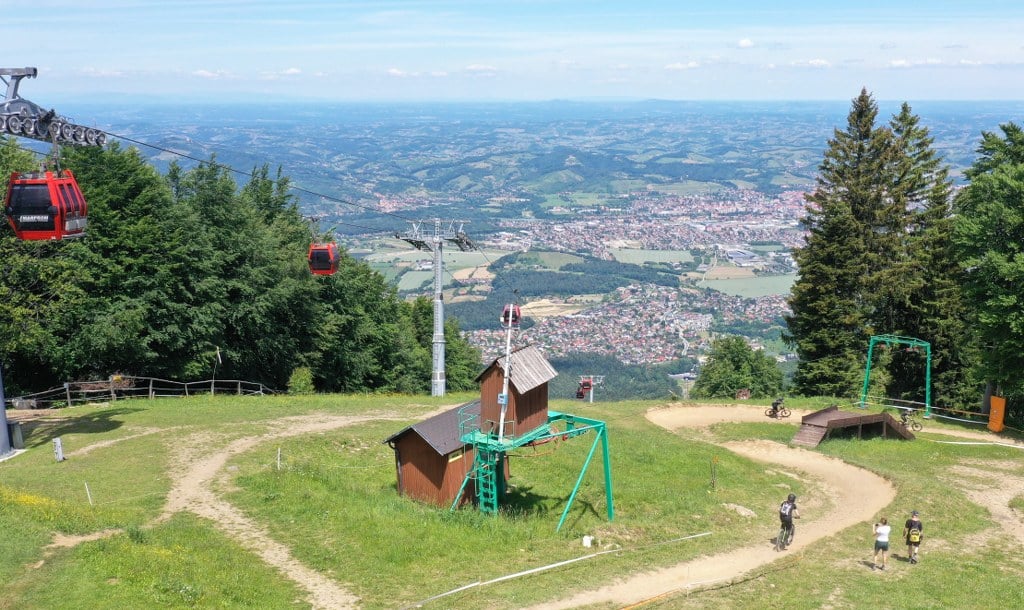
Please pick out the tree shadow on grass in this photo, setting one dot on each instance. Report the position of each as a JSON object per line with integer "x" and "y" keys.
{"x": 42, "y": 432}
{"x": 522, "y": 500}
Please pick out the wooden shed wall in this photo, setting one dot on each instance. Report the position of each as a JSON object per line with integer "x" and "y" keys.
{"x": 527, "y": 411}
{"x": 429, "y": 477}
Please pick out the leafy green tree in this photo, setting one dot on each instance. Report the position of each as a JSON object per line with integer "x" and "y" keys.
{"x": 34, "y": 287}
{"x": 733, "y": 365}
{"x": 989, "y": 242}
{"x": 147, "y": 266}
{"x": 364, "y": 341}
{"x": 463, "y": 362}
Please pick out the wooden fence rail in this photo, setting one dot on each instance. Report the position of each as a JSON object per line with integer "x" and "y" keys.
{"x": 120, "y": 387}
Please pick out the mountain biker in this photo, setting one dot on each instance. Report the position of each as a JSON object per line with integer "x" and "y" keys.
{"x": 788, "y": 512}
{"x": 776, "y": 405}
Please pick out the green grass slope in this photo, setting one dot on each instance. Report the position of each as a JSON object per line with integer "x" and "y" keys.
{"x": 331, "y": 500}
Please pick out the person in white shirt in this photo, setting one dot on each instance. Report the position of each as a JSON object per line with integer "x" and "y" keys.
{"x": 882, "y": 530}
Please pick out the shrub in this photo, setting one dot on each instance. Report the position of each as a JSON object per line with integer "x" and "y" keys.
{"x": 301, "y": 381}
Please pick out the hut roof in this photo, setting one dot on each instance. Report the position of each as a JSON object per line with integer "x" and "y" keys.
{"x": 529, "y": 369}
{"x": 441, "y": 431}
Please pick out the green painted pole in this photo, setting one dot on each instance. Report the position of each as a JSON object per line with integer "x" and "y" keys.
{"x": 579, "y": 481}
{"x": 928, "y": 382}
{"x": 867, "y": 375}
{"x": 607, "y": 474}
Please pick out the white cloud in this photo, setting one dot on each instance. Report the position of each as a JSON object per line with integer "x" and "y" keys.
{"x": 397, "y": 73}
{"x": 915, "y": 63}
{"x": 103, "y": 73}
{"x": 212, "y": 75}
{"x": 481, "y": 70}
{"x": 678, "y": 66}
{"x": 292, "y": 72}
{"x": 813, "y": 63}
{"x": 745, "y": 43}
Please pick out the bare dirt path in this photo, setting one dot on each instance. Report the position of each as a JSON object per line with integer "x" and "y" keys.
{"x": 198, "y": 466}
{"x": 857, "y": 496}
{"x": 199, "y": 460}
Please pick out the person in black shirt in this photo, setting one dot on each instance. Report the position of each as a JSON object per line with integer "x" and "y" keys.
{"x": 788, "y": 512}
{"x": 913, "y": 532}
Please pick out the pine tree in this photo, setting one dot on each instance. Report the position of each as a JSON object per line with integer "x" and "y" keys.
{"x": 840, "y": 265}
{"x": 923, "y": 298}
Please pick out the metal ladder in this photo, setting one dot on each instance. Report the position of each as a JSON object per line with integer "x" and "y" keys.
{"x": 485, "y": 467}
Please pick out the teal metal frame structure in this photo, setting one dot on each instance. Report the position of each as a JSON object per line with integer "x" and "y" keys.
{"x": 891, "y": 340}
{"x": 490, "y": 449}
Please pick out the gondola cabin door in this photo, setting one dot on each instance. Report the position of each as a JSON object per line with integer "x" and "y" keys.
{"x": 323, "y": 259}
{"x": 45, "y": 206}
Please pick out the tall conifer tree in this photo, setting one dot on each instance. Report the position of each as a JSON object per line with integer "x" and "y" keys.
{"x": 833, "y": 299}
{"x": 921, "y": 293}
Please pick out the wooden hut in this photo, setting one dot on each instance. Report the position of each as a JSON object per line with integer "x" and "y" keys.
{"x": 527, "y": 400}
{"x": 431, "y": 461}
{"x": 431, "y": 457}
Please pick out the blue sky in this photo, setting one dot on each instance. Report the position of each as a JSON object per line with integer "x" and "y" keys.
{"x": 420, "y": 50}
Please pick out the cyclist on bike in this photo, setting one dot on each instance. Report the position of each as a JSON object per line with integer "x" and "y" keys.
{"x": 776, "y": 405}
{"x": 904, "y": 416}
{"x": 788, "y": 512}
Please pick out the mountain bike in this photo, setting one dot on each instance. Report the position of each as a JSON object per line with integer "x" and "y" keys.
{"x": 785, "y": 537}
{"x": 782, "y": 411}
{"x": 909, "y": 421}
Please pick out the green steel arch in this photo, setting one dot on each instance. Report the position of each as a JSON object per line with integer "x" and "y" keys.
{"x": 898, "y": 340}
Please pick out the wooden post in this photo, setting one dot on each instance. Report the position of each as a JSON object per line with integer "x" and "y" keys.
{"x": 67, "y": 392}
{"x": 151, "y": 388}
{"x": 113, "y": 396}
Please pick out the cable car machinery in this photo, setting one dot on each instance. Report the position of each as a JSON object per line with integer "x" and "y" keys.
{"x": 45, "y": 205}
{"x": 586, "y": 385}
{"x": 421, "y": 239}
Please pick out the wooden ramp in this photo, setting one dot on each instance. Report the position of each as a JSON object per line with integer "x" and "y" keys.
{"x": 819, "y": 425}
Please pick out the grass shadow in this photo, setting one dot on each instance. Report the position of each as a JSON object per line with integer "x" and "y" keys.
{"x": 41, "y": 432}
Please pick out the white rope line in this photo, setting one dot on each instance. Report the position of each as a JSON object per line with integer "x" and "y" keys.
{"x": 547, "y": 567}
{"x": 975, "y": 443}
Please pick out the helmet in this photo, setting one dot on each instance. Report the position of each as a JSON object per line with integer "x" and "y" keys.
{"x": 792, "y": 498}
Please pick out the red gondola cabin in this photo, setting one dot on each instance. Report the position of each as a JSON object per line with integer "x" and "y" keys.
{"x": 510, "y": 316}
{"x": 323, "y": 258}
{"x": 44, "y": 205}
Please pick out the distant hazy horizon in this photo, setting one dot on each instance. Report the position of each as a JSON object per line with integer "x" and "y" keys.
{"x": 462, "y": 50}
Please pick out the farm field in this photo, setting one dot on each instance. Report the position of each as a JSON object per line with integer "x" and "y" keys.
{"x": 640, "y": 256}
{"x": 755, "y": 286}
{"x": 290, "y": 501}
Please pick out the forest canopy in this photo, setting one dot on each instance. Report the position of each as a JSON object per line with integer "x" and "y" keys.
{"x": 178, "y": 268}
